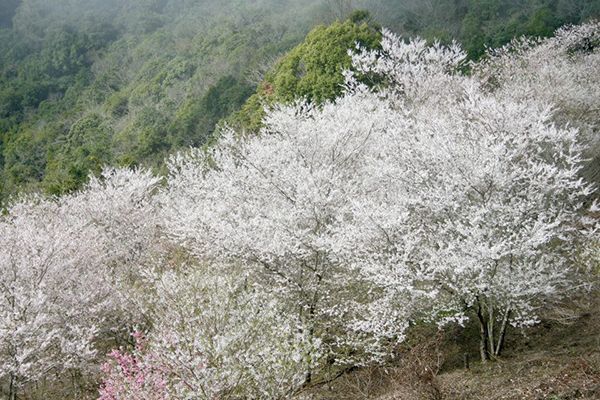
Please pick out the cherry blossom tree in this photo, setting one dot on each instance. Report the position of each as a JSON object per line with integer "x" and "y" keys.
{"x": 274, "y": 205}
{"x": 63, "y": 262}
{"x": 491, "y": 210}
{"x": 45, "y": 326}
{"x": 562, "y": 71}
{"x": 121, "y": 206}
{"x": 412, "y": 72}
{"x": 214, "y": 335}
{"x": 480, "y": 199}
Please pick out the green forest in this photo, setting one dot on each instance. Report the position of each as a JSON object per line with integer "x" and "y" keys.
{"x": 89, "y": 83}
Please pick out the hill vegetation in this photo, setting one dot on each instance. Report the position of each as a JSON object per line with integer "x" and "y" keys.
{"x": 89, "y": 83}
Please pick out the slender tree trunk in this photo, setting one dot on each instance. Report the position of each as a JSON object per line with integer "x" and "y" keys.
{"x": 490, "y": 329}
{"x": 308, "y": 376}
{"x": 502, "y": 333}
{"x": 12, "y": 390}
{"x": 483, "y": 335}
{"x": 311, "y": 316}
{"x": 311, "y": 332}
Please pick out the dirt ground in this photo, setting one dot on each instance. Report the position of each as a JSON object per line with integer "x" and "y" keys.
{"x": 558, "y": 359}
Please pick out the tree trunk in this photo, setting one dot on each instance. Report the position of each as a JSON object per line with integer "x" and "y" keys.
{"x": 12, "y": 390}
{"x": 483, "y": 335}
{"x": 490, "y": 329}
{"x": 311, "y": 333}
{"x": 502, "y": 333}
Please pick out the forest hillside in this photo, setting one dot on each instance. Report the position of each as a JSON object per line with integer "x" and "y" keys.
{"x": 89, "y": 83}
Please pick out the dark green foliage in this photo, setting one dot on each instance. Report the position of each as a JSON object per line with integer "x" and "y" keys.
{"x": 195, "y": 122}
{"x": 150, "y": 129}
{"x": 542, "y": 23}
{"x": 360, "y": 17}
{"x": 312, "y": 70}
{"x": 24, "y": 154}
{"x": 84, "y": 149}
{"x": 249, "y": 118}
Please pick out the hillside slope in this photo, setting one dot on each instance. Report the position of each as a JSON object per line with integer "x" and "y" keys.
{"x": 88, "y": 83}
{"x": 557, "y": 359}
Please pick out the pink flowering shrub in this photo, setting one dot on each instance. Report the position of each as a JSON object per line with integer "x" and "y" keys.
{"x": 212, "y": 337}
{"x": 139, "y": 375}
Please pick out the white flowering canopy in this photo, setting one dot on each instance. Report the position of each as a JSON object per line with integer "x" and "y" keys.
{"x": 59, "y": 261}
{"x": 428, "y": 195}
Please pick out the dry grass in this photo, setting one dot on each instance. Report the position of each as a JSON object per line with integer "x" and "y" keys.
{"x": 414, "y": 374}
{"x": 558, "y": 359}
{"x": 552, "y": 361}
